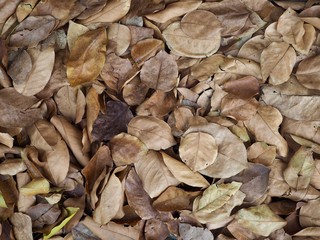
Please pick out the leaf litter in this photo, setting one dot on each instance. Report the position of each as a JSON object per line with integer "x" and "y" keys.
{"x": 126, "y": 119}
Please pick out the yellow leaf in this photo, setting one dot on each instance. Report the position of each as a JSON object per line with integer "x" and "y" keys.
{"x": 36, "y": 186}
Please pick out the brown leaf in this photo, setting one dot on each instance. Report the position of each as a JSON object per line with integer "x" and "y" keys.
{"x": 305, "y": 44}
{"x": 189, "y": 232}
{"x": 260, "y": 152}
{"x": 43, "y": 214}
{"x": 145, "y": 49}
{"x": 264, "y": 125}
{"x": 308, "y": 72}
{"x": 66, "y": 100}
{"x": 87, "y": 57}
{"x": 92, "y": 109}
{"x": 126, "y": 149}
{"x": 32, "y": 30}
{"x": 182, "y": 44}
{"x": 115, "y": 121}
{"x": 12, "y": 167}
{"x": 156, "y": 229}
{"x": 81, "y": 232}
{"x": 22, "y": 226}
{"x": 119, "y": 38}
{"x": 154, "y": 133}
{"x": 160, "y": 72}
{"x": 137, "y": 198}
{"x": 8, "y": 189}
{"x": 277, "y": 62}
{"x": 16, "y": 109}
{"x": 244, "y": 88}
{"x": 154, "y": 174}
{"x": 195, "y": 149}
{"x": 293, "y": 106}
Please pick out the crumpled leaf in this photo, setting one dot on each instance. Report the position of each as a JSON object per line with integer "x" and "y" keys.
{"x": 156, "y": 229}
{"x": 300, "y": 169}
{"x": 260, "y": 220}
{"x": 38, "y": 65}
{"x": 293, "y": 106}
{"x": 153, "y": 132}
{"x": 264, "y": 125}
{"x": 113, "y": 122}
{"x": 22, "y": 226}
{"x": 32, "y": 30}
{"x": 217, "y": 202}
{"x": 183, "y": 45}
{"x": 188, "y": 232}
{"x": 277, "y": 62}
{"x": 183, "y": 173}
{"x": 126, "y": 149}
{"x": 198, "y": 150}
{"x": 154, "y": 174}
{"x": 87, "y": 57}
{"x": 137, "y": 197}
{"x": 160, "y": 72}
{"x": 308, "y": 73}
{"x": 232, "y": 155}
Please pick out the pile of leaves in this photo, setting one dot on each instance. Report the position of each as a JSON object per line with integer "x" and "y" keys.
{"x": 131, "y": 119}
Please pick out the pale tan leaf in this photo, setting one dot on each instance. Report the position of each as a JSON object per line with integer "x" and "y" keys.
{"x": 119, "y": 38}
{"x": 111, "y": 200}
{"x": 75, "y": 30}
{"x": 12, "y": 167}
{"x": 66, "y": 99}
{"x": 160, "y": 72}
{"x": 308, "y": 72}
{"x": 6, "y": 139}
{"x": 260, "y": 152}
{"x": 293, "y": 106}
{"x": 112, "y": 12}
{"x": 22, "y": 226}
{"x": 183, "y": 173}
{"x": 87, "y": 57}
{"x": 154, "y": 174}
{"x": 264, "y": 125}
{"x": 300, "y": 169}
{"x": 72, "y": 137}
{"x": 37, "y": 76}
{"x": 153, "y": 132}
{"x": 290, "y": 26}
{"x": 232, "y": 155}
{"x": 308, "y": 233}
{"x": 173, "y": 10}
{"x": 126, "y": 149}
{"x": 189, "y": 232}
{"x": 260, "y": 220}
{"x": 277, "y": 62}
{"x": 304, "y": 45}
{"x": 198, "y": 150}
{"x": 309, "y": 215}
{"x": 183, "y": 45}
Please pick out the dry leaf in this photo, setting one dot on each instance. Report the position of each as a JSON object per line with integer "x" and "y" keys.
{"x": 126, "y": 149}
{"x": 119, "y": 38}
{"x": 198, "y": 150}
{"x": 277, "y": 62}
{"x": 188, "y": 232}
{"x": 183, "y": 45}
{"x": 22, "y": 226}
{"x": 260, "y": 220}
{"x": 112, "y": 12}
{"x": 260, "y": 152}
{"x": 308, "y": 74}
{"x": 183, "y": 173}
{"x": 264, "y": 125}
{"x": 36, "y": 186}
{"x": 160, "y": 72}
{"x": 245, "y": 87}
{"x": 66, "y": 99}
{"x": 75, "y": 30}
{"x": 115, "y": 121}
{"x": 309, "y": 214}
{"x": 156, "y": 229}
{"x": 293, "y": 106}
{"x": 300, "y": 169}
{"x": 173, "y": 10}
{"x": 154, "y": 174}
{"x": 87, "y": 59}
{"x": 154, "y": 133}
{"x": 305, "y": 44}
{"x": 137, "y": 198}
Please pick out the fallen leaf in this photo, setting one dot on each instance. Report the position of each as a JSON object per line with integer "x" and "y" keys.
{"x": 126, "y": 149}
{"x": 264, "y": 125}
{"x": 310, "y": 232}
{"x": 119, "y": 38}
{"x": 307, "y": 72}
{"x": 81, "y": 232}
{"x": 293, "y": 106}
{"x": 253, "y": 217}
{"x": 244, "y": 88}
{"x": 183, "y": 45}
{"x": 36, "y": 186}
{"x": 83, "y": 66}
{"x": 278, "y": 68}
{"x": 183, "y": 173}
{"x": 66, "y": 99}
{"x": 300, "y": 169}
{"x": 115, "y": 121}
{"x": 198, "y": 150}
{"x": 6, "y": 139}
{"x": 309, "y": 214}
{"x": 22, "y": 226}
{"x": 75, "y": 30}
{"x": 262, "y": 153}
{"x": 160, "y": 72}
{"x": 154, "y": 174}
{"x": 156, "y": 229}
{"x": 32, "y": 30}
{"x": 305, "y": 44}
{"x": 173, "y": 10}
{"x": 137, "y": 197}
{"x": 188, "y": 232}
{"x": 154, "y": 133}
